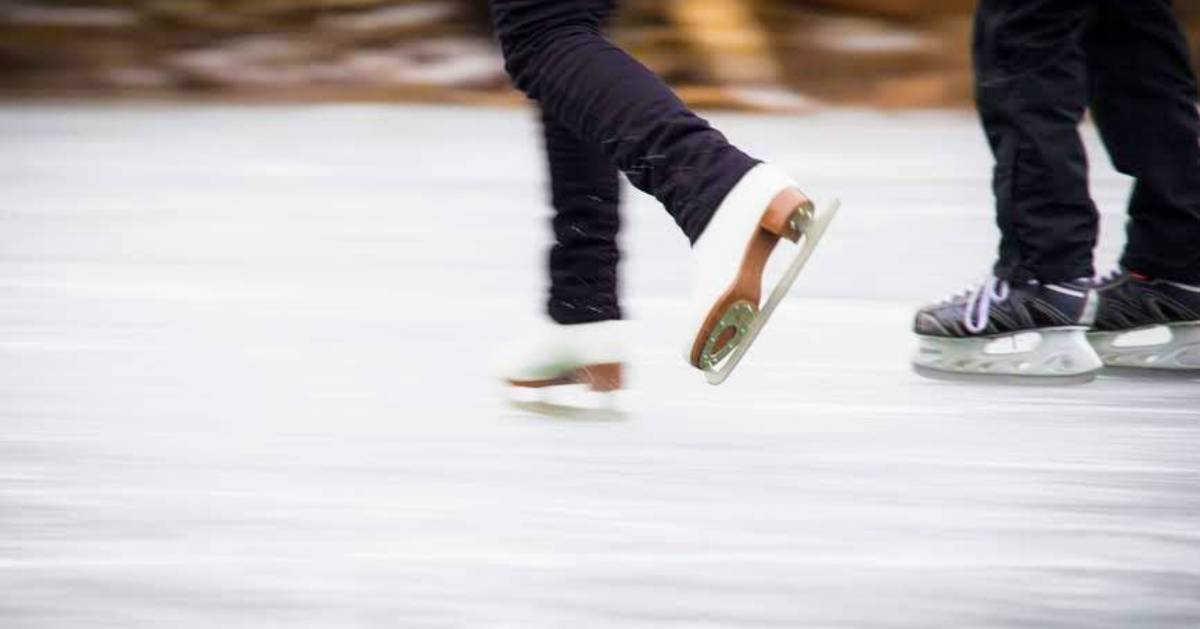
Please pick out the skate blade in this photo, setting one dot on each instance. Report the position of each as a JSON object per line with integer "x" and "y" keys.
{"x": 1056, "y": 356}
{"x": 1155, "y": 349}
{"x": 573, "y": 402}
{"x": 1144, "y": 373}
{"x": 1003, "y": 379}
{"x": 812, "y": 235}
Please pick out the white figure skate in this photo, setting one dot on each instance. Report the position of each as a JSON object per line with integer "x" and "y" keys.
{"x": 564, "y": 368}
{"x": 728, "y": 263}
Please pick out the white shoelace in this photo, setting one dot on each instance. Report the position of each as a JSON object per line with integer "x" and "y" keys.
{"x": 979, "y": 303}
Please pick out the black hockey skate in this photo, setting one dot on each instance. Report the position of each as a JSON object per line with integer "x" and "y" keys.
{"x": 1147, "y": 325}
{"x": 1029, "y": 333}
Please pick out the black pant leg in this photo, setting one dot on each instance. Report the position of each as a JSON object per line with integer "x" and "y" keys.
{"x": 585, "y": 192}
{"x": 1144, "y": 103}
{"x": 1031, "y": 92}
{"x": 555, "y": 52}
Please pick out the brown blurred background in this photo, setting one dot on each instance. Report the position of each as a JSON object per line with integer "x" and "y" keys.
{"x": 757, "y": 54}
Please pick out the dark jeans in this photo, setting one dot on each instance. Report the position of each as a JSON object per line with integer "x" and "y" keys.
{"x": 603, "y": 111}
{"x": 1039, "y": 64}
{"x": 585, "y": 191}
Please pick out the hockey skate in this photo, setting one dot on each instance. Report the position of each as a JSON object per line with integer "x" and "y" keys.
{"x": 728, "y": 263}
{"x": 566, "y": 369}
{"x": 1147, "y": 326}
{"x": 1029, "y": 333}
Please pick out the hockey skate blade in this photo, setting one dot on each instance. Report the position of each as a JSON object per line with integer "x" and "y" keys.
{"x": 1158, "y": 350}
{"x": 1054, "y": 356}
{"x": 1142, "y": 373}
{"x": 813, "y": 233}
{"x": 1003, "y": 379}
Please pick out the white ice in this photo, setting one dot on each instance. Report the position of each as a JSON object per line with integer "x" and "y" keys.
{"x": 245, "y": 383}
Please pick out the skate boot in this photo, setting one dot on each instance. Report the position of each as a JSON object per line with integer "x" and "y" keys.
{"x": 1147, "y": 324}
{"x": 567, "y": 367}
{"x": 1029, "y": 333}
{"x": 728, "y": 262}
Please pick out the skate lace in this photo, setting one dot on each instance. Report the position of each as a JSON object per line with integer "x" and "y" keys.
{"x": 979, "y": 303}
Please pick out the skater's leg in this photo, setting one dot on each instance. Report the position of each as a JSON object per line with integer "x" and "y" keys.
{"x": 733, "y": 209}
{"x": 1144, "y": 103}
{"x": 583, "y": 343}
{"x": 585, "y": 193}
{"x": 556, "y": 53}
{"x": 1031, "y": 92}
{"x": 1031, "y": 89}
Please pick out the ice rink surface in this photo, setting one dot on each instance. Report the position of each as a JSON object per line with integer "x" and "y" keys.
{"x": 246, "y": 382}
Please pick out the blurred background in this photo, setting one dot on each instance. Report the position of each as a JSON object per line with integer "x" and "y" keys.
{"x": 753, "y": 54}
{"x": 257, "y": 258}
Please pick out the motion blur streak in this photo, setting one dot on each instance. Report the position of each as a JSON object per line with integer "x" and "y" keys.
{"x": 245, "y": 383}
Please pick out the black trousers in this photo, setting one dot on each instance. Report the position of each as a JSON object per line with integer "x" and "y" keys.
{"x": 1039, "y": 64}
{"x": 604, "y": 112}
